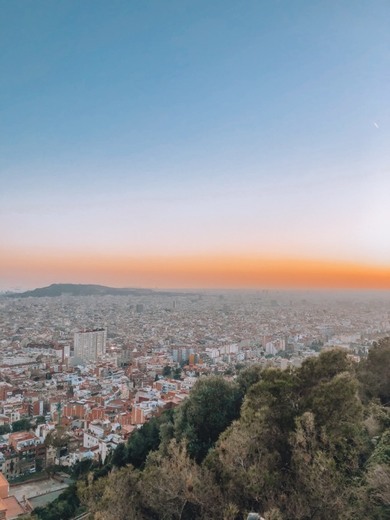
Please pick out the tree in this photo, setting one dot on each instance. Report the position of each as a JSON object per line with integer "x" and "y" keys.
{"x": 5, "y": 428}
{"x": 140, "y": 443}
{"x": 338, "y": 413}
{"x": 64, "y": 507}
{"x": 253, "y": 455}
{"x": 39, "y": 463}
{"x": 21, "y": 425}
{"x": 246, "y": 471}
{"x": 167, "y": 371}
{"x": 272, "y": 405}
{"x": 174, "y": 487}
{"x": 83, "y": 467}
{"x": 114, "y": 497}
{"x": 177, "y": 373}
{"x": 119, "y": 455}
{"x": 212, "y": 405}
{"x": 378, "y": 491}
{"x": 374, "y": 372}
{"x": 58, "y": 439}
{"x": 375, "y": 493}
{"x": 299, "y": 439}
{"x": 323, "y": 368}
{"x": 248, "y": 377}
{"x": 317, "y": 488}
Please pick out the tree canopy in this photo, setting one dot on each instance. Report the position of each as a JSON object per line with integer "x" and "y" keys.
{"x": 212, "y": 405}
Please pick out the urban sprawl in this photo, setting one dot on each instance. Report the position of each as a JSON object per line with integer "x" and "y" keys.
{"x": 100, "y": 367}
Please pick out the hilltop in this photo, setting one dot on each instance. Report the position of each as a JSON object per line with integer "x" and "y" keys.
{"x": 60, "y": 289}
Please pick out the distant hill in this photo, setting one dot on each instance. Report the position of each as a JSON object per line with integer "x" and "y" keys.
{"x": 59, "y": 289}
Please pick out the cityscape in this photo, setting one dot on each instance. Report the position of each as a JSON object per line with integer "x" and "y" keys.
{"x": 194, "y": 260}
{"x": 101, "y": 366}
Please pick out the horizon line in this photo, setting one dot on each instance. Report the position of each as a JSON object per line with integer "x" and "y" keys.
{"x": 263, "y": 289}
{"x": 191, "y": 272}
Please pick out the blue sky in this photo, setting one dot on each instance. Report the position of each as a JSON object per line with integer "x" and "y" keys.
{"x": 181, "y": 127}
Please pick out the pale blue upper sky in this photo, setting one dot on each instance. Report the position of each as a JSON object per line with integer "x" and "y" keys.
{"x": 196, "y": 126}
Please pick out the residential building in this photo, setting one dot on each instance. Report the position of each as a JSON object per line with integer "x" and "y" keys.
{"x": 89, "y": 345}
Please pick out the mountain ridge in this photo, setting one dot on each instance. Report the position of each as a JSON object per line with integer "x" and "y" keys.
{"x": 60, "y": 289}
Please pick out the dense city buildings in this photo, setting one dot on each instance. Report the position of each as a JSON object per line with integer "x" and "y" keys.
{"x": 101, "y": 366}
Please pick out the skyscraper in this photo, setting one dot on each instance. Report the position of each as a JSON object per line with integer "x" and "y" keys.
{"x": 89, "y": 345}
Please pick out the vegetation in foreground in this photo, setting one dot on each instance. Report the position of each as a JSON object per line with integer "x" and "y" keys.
{"x": 310, "y": 443}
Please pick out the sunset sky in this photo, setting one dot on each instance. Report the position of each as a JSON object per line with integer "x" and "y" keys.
{"x": 195, "y": 143}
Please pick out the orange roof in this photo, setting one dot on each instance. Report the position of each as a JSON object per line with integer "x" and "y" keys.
{"x": 14, "y": 509}
{"x": 21, "y": 436}
{"x": 3, "y": 480}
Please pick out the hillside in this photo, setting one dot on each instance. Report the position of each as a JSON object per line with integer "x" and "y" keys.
{"x": 60, "y": 289}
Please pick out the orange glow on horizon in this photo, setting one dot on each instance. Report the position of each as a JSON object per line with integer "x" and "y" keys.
{"x": 35, "y": 270}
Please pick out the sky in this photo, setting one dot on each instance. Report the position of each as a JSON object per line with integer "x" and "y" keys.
{"x": 189, "y": 143}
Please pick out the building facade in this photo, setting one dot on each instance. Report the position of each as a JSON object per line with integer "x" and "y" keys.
{"x": 89, "y": 345}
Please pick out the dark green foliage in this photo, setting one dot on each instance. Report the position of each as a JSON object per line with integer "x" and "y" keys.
{"x": 322, "y": 369}
{"x": 5, "y": 428}
{"x": 248, "y": 377}
{"x": 167, "y": 371}
{"x": 212, "y": 405}
{"x": 143, "y": 441}
{"x": 119, "y": 456}
{"x": 277, "y": 391}
{"x": 65, "y": 507}
{"x": 374, "y": 372}
{"x": 83, "y": 467}
{"x": 102, "y": 471}
{"x": 39, "y": 465}
{"x": 177, "y": 373}
{"x": 21, "y": 425}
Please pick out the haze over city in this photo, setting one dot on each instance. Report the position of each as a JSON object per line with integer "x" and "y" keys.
{"x": 195, "y": 144}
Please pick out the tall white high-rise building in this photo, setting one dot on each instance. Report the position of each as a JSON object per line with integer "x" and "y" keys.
{"x": 89, "y": 345}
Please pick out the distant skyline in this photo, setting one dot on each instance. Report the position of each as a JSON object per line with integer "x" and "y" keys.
{"x": 195, "y": 144}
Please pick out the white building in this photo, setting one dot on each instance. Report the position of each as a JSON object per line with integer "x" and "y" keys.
{"x": 89, "y": 345}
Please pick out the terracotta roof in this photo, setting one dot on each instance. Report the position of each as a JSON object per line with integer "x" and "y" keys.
{"x": 14, "y": 509}
{"x": 3, "y": 480}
